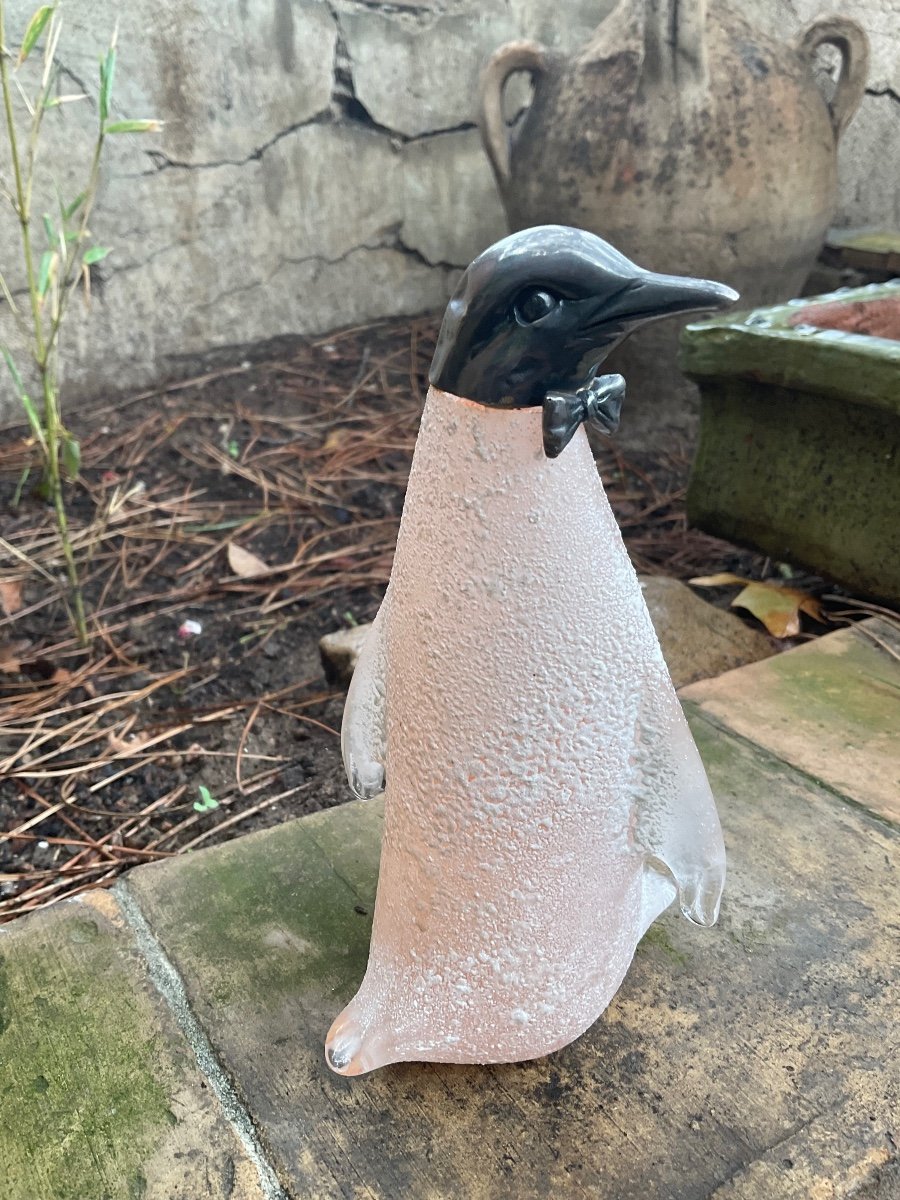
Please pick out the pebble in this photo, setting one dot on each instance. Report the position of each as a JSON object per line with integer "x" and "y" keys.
{"x": 340, "y": 651}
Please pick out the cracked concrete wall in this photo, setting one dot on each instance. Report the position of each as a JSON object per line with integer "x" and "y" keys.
{"x": 319, "y": 163}
{"x": 869, "y": 159}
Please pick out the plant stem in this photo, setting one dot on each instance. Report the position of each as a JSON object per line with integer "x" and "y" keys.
{"x": 21, "y": 205}
{"x": 55, "y": 488}
{"x": 42, "y": 346}
{"x": 67, "y": 288}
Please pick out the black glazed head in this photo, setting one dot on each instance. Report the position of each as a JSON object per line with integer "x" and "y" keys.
{"x": 541, "y": 309}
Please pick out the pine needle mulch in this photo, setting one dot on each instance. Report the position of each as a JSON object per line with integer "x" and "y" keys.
{"x": 222, "y": 525}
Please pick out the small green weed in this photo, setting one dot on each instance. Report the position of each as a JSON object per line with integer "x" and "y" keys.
{"x": 52, "y": 274}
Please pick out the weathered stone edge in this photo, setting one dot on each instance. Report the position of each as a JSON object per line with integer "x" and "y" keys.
{"x": 170, "y": 986}
{"x": 695, "y": 712}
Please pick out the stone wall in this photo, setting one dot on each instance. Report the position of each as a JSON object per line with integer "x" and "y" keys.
{"x": 319, "y": 163}
{"x": 870, "y": 149}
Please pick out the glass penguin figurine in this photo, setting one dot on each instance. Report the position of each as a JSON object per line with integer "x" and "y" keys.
{"x": 544, "y": 799}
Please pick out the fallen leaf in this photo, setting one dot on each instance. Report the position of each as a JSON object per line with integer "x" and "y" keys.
{"x": 243, "y": 563}
{"x": 717, "y": 580}
{"x": 777, "y": 607}
{"x": 125, "y": 743}
{"x": 10, "y": 595}
{"x": 11, "y": 654}
{"x": 128, "y": 745}
{"x": 336, "y": 438}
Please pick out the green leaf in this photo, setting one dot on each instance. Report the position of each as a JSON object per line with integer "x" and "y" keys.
{"x": 57, "y": 101}
{"x": 71, "y": 209}
{"x": 14, "y": 371}
{"x": 95, "y": 254}
{"x": 34, "y": 420}
{"x": 30, "y": 411}
{"x": 33, "y": 32}
{"x": 20, "y": 487}
{"x": 49, "y": 230}
{"x": 70, "y": 455}
{"x": 151, "y": 125}
{"x": 47, "y": 260}
{"x": 206, "y": 803}
{"x": 107, "y": 74}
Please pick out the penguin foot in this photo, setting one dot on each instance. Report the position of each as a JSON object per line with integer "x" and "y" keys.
{"x": 366, "y": 779}
{"x": 350, "y": 1049}
{"x": 700, "y": 894}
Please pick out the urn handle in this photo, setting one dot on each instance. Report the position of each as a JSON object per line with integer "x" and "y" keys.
{"x": 512, "y": 57}
{"x": 851, "y": 41}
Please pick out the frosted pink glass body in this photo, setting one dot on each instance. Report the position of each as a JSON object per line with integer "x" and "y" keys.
{"x": 545, "y": 800}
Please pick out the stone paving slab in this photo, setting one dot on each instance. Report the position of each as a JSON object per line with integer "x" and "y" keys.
{"x": 754, "y": 1061}
{"x": 99, "y": 1097}
{"x": 831, "y": 708}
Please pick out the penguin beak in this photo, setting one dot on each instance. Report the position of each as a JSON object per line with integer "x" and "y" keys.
{"x": 650, "y": 297}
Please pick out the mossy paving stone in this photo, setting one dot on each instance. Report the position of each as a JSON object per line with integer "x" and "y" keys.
{"x": 752, "y": 1061}
{"x": 100, "y": 1098}
{"x": 831, "y": 708}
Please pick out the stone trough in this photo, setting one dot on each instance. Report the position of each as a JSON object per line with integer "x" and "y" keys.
{"x": 799, "y": 451}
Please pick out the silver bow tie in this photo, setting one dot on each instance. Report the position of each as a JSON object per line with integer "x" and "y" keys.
{"x": 599, "y": 402}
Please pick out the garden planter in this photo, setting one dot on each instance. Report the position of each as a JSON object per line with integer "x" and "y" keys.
{"x": 799, "y": 451}
{"x": 875, "y": 253}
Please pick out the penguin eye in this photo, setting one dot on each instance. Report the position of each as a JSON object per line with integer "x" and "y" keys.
{"x": 534, "y": 304}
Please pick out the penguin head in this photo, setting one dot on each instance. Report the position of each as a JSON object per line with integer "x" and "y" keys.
{"x": 540, "y": 310}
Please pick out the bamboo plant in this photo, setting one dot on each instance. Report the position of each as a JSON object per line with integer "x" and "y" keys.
{"x": 57, "y": 253}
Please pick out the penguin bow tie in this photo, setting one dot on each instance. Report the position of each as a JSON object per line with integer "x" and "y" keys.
{"x": 598, "y": 402}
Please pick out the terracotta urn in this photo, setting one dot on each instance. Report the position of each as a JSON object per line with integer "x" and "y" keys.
{"x": 687, "y": 138}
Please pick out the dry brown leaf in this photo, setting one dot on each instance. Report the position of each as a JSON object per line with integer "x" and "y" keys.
{"x": 243, "y": 563}
{"x": 336, "y": 438}
{"x": 127, "y": 743}
{"x": 777, "y": 607}
{"x": 11, "y": 654}
{"x": 718, "y": 580}
{"x": 10, "y": 595}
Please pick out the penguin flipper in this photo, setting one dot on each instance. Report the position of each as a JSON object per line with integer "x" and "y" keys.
{"x": 363, "y": 725}
{"x": 674, "y": 814}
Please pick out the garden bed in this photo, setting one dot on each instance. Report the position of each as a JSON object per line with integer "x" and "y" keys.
{"x": 162, "y": 738}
